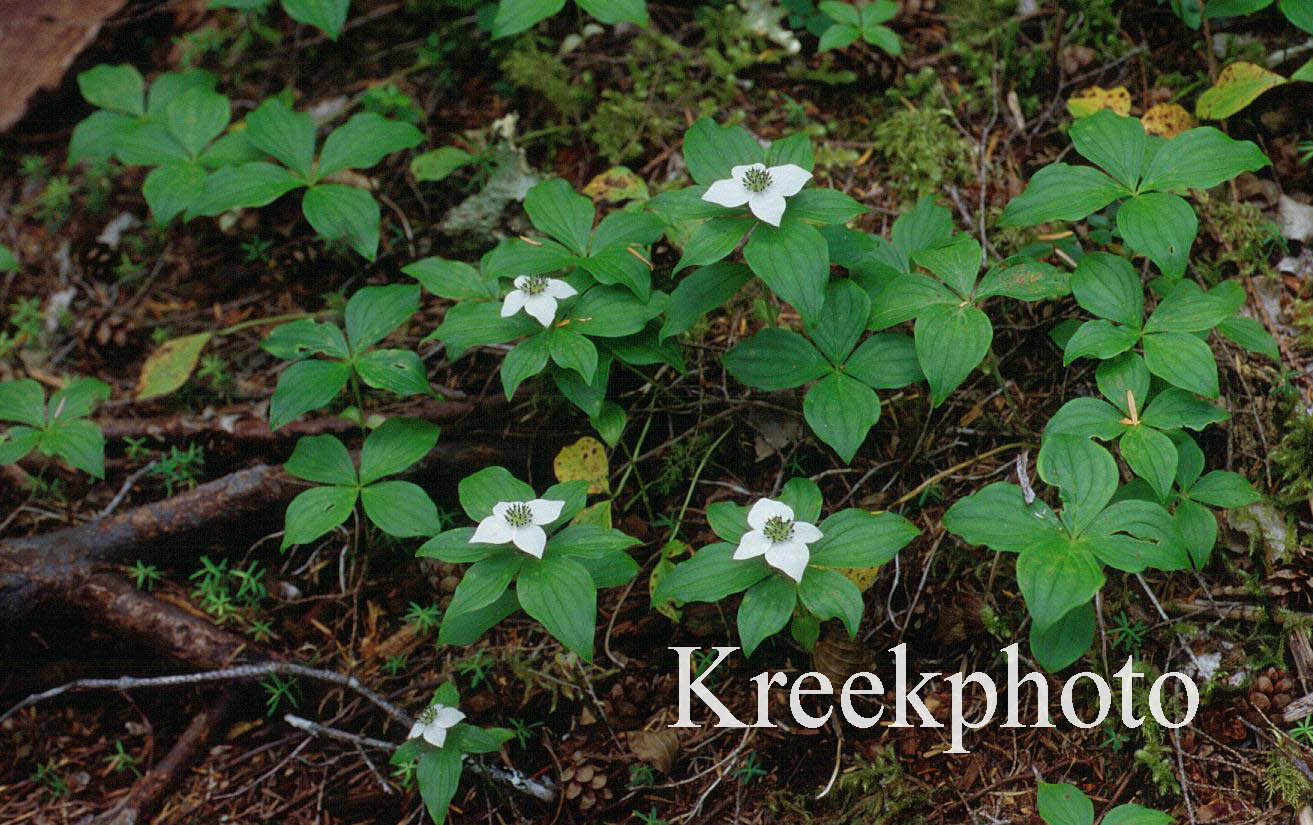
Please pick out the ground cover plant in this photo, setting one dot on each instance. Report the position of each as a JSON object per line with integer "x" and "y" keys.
{"x": 374, "y": 446}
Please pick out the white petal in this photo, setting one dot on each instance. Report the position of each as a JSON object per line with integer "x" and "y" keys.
{"x": 545, "y": 511}
{"x": 786, "y": 180}
{"x": 541, "y": 306}
{"x": 728, "y": 192}
{"x": 415, "y": 730}
{"x": 790, "y": 557}
{"x": 764, "y": 509}
{"x": 447, "y": 716}
{"x": 520, "y": 281}
{"x": 753, "y": 543}
{"x": 435, "y": 735}
{"x": 768, "y": 205}
{"x": 806, "y": 533}
{"x": 559, "y": 289}
{"x": 513, "y": 303}
{"x": 492, "y": 530}
{"x": 739, "y": 171}
{"x": 500, "y": 508}
{"x": 531, "y": 540}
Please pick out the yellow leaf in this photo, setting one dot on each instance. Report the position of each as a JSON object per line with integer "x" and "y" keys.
{"x": 170, "y": 365}
{"x": 863, "y": 577}
{"x": 1088, "y": 101}
{"x": 617, "y": 184}
{"x": 1168, "y": 120}
{"x": 1237, "y": 86}
{"x": 584, "y": 460}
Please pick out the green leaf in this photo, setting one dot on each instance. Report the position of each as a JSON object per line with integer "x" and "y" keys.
{"x": 465, "y": 629}
{"x": 1174, "y": 408}
{"x": 1197, "y": 527}
{"x": 482, "y": 740}
{"x": 455, "y": 280}
{"x": 340, "y": 212}
{"x": 555, "y": 208}
{"x": 1200, "y": 159}
{"x": 514, "y": 16}
{"x": 170, "y": 86}
{"x": 479, "y": 491}
{"x": 79, "y": 442}
{"x": 454, "y": 547}
{"x": 846, "y": 311}
{"x": 116, "y": 88}
{"x": 855, "y": 538}
{"x": 765, "y": 610}
{"x": 1223, "y": 488}
{"x": 950, "y": 342}
{"x": 906, "y": 297}
{"x": 794, "y": 261}
{"x": 1057, "y": 576}
{"x": 289, "y": 136}
{"x": 1114, "y": 142}
{"x": 557, "y": 591}
{"x": 17, "y": 443}
{"x": 607, "y": 566}
{"x": 825, "y": 206}
{"x": 329, "y": 16}
{"x": 1135, "y": 815}
{"x": 316, "y": 511}
{"x": 1087, "y": 417}
{"x": 838, "y": 36}
{"x": 572, "y": 351}
{"x": 727, "y": 520}
{"x": 845, "y": 13}
{"x": 393, "y": 446}
{"x": 1251, "y": 335}
{"x": 713, "y": 240}
{"x": 841, "y": 411}
{"x": 1151, "y": 456}
{"x": 197, "y": 117}
{"x": 1098, "y": 339}
{"x": 957, "y": 263}
{"x": 620, "y": 265}
{"x": 587, "y": 396}
{"x": 1187, "y": 308}
{"x": 1084, "y": 473}
{"x": 999, "y": 518}
{"x": 927, "y": 225}
{"x": 98, "y": 135}
{"x": 1063, "y": 642}
{"x": 478, "y": 323}
{"x": 375, "y": 311}
{"x": 172, "y": 188}
{"x": 1120, "y": 375}
{"x": 775, "y": 359}
{"x": 831, "y": 595}
{"x": 886, "y": 360}
{"x": 1181, "y": 359}
{"x": 804, "y": 497}
{"x": 1059, "y": 192}
{"x": 148, "y": 144}
{"x": 702, "y": 290}
{"x": 1162, "y": 226}
{"x": 526, "y": 360}
{"x": 485, "y": 581}
{"x": 624, "y": 228}
{"x": 516, "y": 256}
{"x": 710, "y": 150}
{"x": 77, "y": 399}
{"x": 1107, "y": 286}
{"x": 438, "y": 164}
{"x": 400, "y": 508}
{"x": 323, "y": 459}
{"x": 246, "y": 185}
{"x": 306, "y": 386}
{"x": 1237, "y": 86}
{"x": 709, "y": 576}
{"x": 1298, "y": 13}
{"x": 612, "y": 312}
{"x": 1064, "y": 805}
{"x": 1025, "y": 280}
{"x": 438, "y": 774}
{"x": 300, "y": 339}
{"x": 363, "y": 141}
{"x": 23, "y": 401}
{"x": 882, "y": 37}
{"x": 611, "y": 12}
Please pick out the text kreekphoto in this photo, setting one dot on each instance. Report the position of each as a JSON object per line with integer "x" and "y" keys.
{"x": 907, "y": 697}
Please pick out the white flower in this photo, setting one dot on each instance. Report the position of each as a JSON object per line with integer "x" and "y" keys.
{"x": 536, "y": 295}
{"x": 778, "y": 537}
{"x": 762, "y": 189}
{"x": 520, "y": 523}
{"x": 434, "y": 722}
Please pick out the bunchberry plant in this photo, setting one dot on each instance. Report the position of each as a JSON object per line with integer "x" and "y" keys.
{"x": 398, "y": 508}
{"x": 1061, "y": 554}
{"x": 1145, "y": 174}
{"x": 777, "y": 556}
{"x": 841, "y": 406}
{"x": 515, "y": 16}
{"x": 59, "y": 428}
{"x": 440, "y": 739}
{"x": 863, "y": 20}
{"x": 763, "y": 189}
{"x": 329, "y": 16}
{"x": 1062, "y": 804}
{"x": 372, "y": 313}
{"x": 528, "y": 541}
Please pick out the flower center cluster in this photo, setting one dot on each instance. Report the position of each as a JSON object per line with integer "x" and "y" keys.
{"x": 519, "y": 515}
{"x": 756, "y": 179}
{"x": 428, "y": 715}
{"x": 535, "y": 284}
{"x": 778, "y": 529}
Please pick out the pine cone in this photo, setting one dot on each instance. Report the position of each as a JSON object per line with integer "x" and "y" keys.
{"x": 1270, "y": 692}
{"x": 584, "y": 783}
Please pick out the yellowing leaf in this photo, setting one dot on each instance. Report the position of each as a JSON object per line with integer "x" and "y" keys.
{"x": 1168, "y": 120}
{"x": 584, "y": 460}
{"x": 863, "y": 577}
{"x": 617, "y": 184}
{"x": 169, "y": 366}
{"x": 1088, "y": 101}
{"x": 1237, "y": 86}
{"x": 598, "y": 515}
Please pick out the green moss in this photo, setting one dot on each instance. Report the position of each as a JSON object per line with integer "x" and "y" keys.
{"x": 1245, "y": 239}
{"x": 922, "y": 151}
{"x": 1284, "y": 781}
{"x": 530, "y": 68}
{"x": 1294, "y": 455}
{"x": 871, "y": 791}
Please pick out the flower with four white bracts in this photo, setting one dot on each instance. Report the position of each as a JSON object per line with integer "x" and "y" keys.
{"x": 537, "y": 295}
{"x": 762, "y": 189}
{"x": 434, "y": 722}
{"x": 778, "y": 537}
{"x": 519, "y": 523}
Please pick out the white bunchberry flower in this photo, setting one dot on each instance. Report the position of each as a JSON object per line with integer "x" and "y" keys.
{"x": 762, "y": 189}
{"x": 537, "y": 295}
{"x": 434, "y": 722}
{"x": 519, "y": 523}
{"x": 778, "y": 537}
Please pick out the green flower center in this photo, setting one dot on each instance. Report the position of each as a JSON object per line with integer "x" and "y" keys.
{"x": 534, "y": 284}
{"x": 778, "y": 529}
{"x": 756, "y": 179}
{"x": 519, "y": 515}
{"x": 429, "y": 715}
